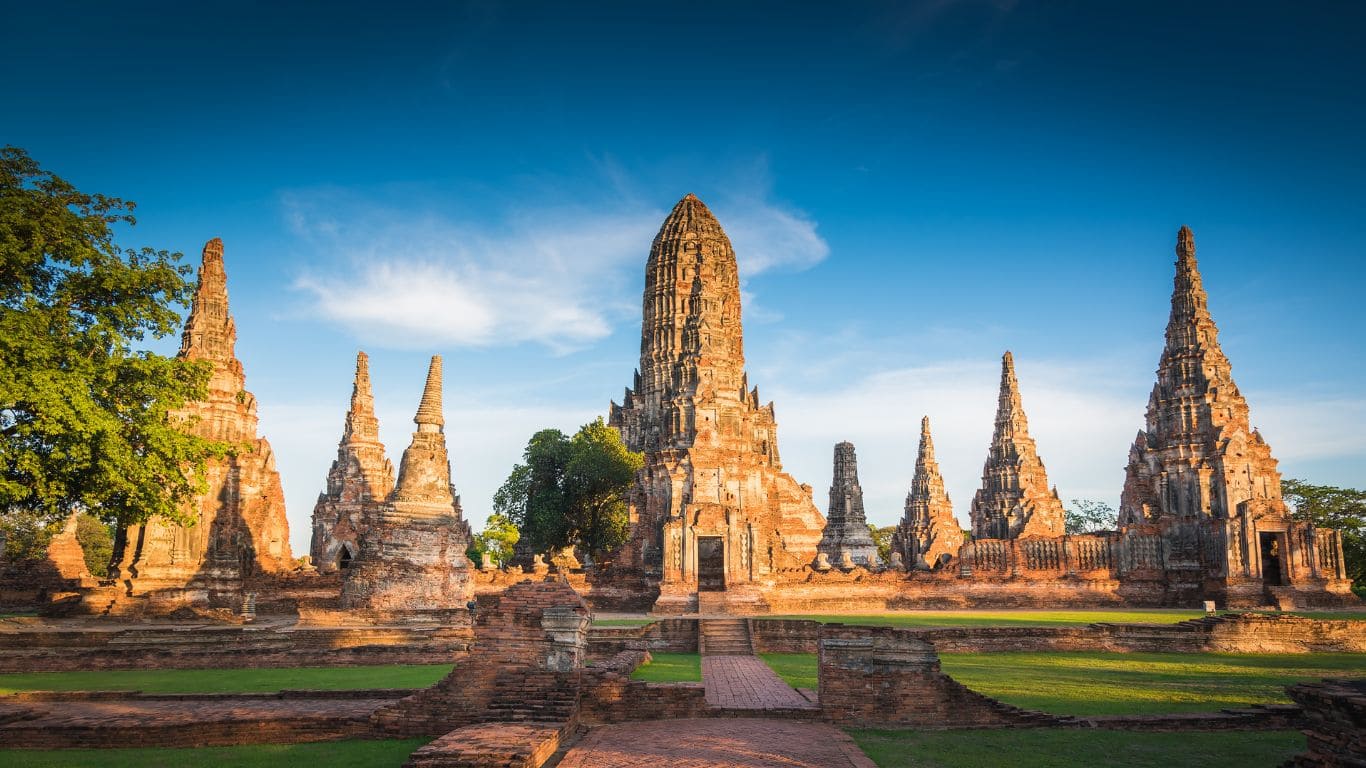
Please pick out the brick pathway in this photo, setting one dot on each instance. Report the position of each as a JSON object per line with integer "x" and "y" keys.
{"x": 746, "y": 682}
{"x": 718, "y": 743}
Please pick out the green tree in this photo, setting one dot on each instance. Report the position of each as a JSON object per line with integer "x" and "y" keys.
{"x": 498, "y": 539}
{"x": 1342, "y": 509}
{"x": 85, "y": 419}
{"x": 97, "y": 541}
{"x": 1089, "y": 516}
{"x": 882, "y": 537}
{"x": 571, "y": 491}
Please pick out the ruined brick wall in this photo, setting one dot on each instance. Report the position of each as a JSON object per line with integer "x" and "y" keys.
{"x": 876, "y": 676}
{"x": 521, "y": 667}
{"x": 1336, "y": 728}
{"x": 611, "y": 696}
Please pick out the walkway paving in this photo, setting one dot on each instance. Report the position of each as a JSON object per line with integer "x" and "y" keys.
{"x": 746, "y": 682}
{"x": 718, "y": 743}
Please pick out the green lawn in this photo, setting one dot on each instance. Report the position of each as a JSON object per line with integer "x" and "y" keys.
{"x": 333, "y": 754}
{"x": 1065, "y": 748}
{"x": 1119, "y": 683}
{"x": 1133, "y": 683}
{"x": 670, "y": 668}
{"x": 797, "y": 669}
{"x": 1036, "y": 618}
{"x": 228, "y": 680}
{"x": 622, "y": 622}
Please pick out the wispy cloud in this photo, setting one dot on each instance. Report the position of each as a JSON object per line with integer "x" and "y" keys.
{"x": 562, "y": 276}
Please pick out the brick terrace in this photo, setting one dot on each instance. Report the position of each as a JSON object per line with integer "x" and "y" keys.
{"x": 721, "y": 743}
{"x": 746, "y": 682}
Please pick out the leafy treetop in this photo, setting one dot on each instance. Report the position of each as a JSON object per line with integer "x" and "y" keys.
{"x": 86, "y": 421}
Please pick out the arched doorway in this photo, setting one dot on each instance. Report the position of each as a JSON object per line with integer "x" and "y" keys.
{"x": 344, "y": 557}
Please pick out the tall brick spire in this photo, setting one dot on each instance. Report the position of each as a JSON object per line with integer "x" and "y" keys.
{"x": 361, "y": 424}
{"x": 360, "y": 476}
{"x": 711, "y": 447}
{"x": 424, "y": 474}
{"x": 928, "y": 528}
{"x": 1198, "y": 455}
{"x": 210, "y": 333}
{"x": 1014, "y": 499}
{"x": 846, "y": 524}
{"x": 691, "y": 335}
{"x": 429, "y": 410}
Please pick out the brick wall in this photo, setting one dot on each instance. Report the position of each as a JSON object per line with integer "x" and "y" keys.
{"x": 876, "y": 676}
{"x": 1335, "y": 711}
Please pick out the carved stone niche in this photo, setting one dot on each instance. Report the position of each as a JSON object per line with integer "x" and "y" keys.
{"x": 567, "y": 629}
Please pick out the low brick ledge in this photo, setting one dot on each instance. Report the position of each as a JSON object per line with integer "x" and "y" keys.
{"x": 288, "y": 694}
{"x": 1280, "y": 717}
{"x": 494, "y": 745}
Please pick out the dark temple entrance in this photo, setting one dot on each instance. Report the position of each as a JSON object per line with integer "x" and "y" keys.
{"x": 711, "y": 564}
{"x": 344, "y": 560}
{"x": 1272, "y": 552}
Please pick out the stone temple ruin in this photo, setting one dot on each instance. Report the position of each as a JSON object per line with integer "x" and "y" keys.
{"x": 361, "y": 477}
{"x": 240, "y": 529}
{"x": 712, "y": 511}
{"x": 847, "y": 540}
{"x": 716, "y": 526}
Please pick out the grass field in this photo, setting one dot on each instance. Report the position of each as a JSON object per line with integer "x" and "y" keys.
{"x": 1119, "y": 683}
{"x": 1064, "y": 748}
{"x": 227, "y": 680}
{"x": 333, "y": 754}
{"x": 670, "y": 668}
{"x": 1035, "y": 618}
{"x": 797, "y": 669}
{"x": 1133, "y": 683}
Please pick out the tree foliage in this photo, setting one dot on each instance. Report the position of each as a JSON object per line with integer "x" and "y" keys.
{"x": 1342, "y": 509}
{"x": 86, "y": 421}
{"x": 571, "y": 491}
{"x": 97, "y": 542}
{"x": 882, "y": 537}
{"x": 498, "y": 539}
{"x": 1089, "y": 516}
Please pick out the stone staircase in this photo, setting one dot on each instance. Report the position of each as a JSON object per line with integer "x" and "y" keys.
{"x": 724, "y": 637}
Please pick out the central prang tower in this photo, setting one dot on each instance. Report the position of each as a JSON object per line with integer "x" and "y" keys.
{"x": 712, "y": 510}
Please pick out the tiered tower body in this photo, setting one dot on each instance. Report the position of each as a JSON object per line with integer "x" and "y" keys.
{"x": 928, "y": 531}
{"x": 1014, "y": 499}
{"x": 412, "y": 550}
{"x": 1200, "y": 475}
{"x": 846, "y": 525}
{"x": 240, "y": 527}
{"x": 360, "y": 477}
{"x": 712, "y": 507}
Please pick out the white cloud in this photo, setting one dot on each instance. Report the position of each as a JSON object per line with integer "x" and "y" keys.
{"x": 560, "y": 276}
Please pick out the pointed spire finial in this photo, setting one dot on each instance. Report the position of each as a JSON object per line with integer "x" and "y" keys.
{"x": 429, "y": 410}
{"x": 360, "y": 419}
{"x": 1185, "y": 243}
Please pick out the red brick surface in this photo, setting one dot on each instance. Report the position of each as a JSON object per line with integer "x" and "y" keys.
{"x": 746, "y": 682}
{"x": 720, "y": 743}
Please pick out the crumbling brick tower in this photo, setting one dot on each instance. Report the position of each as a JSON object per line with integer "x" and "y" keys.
{"x": 928, "y": 532}
{"x": 1014, "y": 500}
{"x": 1200, "y": 475}
{"x": 361, "y": 477}
{"x": 412, "y": 551}
{"x": 712, "y": 506}
{"x": 240, "y": 526}
{"x": 846, "y": 525}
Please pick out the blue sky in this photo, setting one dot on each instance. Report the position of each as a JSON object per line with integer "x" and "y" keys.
{"x": 912, "y": 188}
